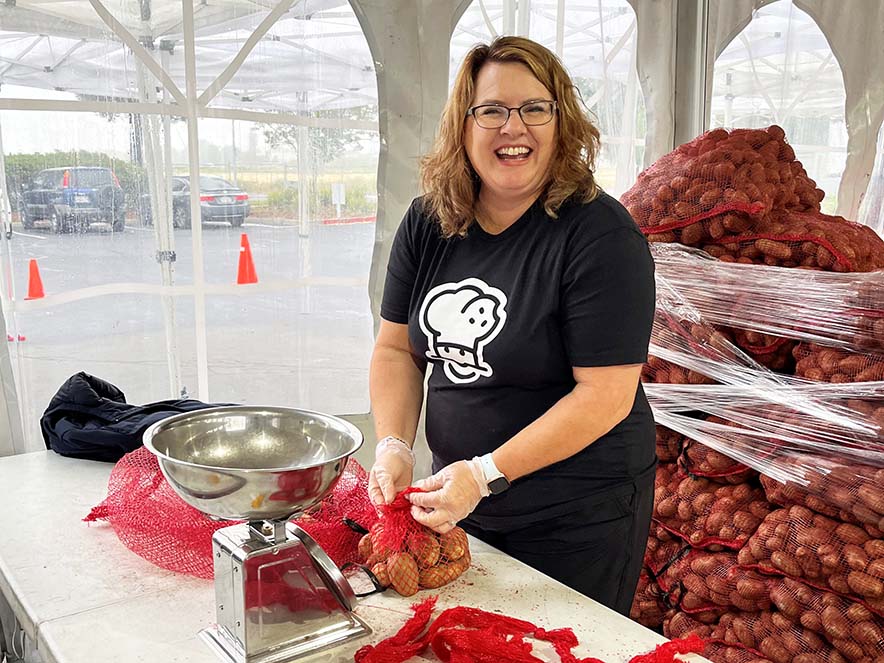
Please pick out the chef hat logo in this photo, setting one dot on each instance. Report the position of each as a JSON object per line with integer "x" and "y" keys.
{"x": 460, "y": 319}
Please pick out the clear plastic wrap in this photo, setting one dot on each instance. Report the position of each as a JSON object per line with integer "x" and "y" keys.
{"x": 834, "y": 309}
{"x": 820, "y": 444}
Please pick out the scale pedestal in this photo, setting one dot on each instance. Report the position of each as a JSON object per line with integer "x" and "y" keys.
{"x": 277, "y": 600}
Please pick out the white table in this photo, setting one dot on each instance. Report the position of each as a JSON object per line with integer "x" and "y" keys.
{"x": 83, "y": 597}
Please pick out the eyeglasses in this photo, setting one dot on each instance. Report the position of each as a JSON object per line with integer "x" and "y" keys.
{"x": 494, "y": 116}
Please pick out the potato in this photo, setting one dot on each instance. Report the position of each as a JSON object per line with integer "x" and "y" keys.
{"x": 865, "y": 585}
{"x": 774, "y": 249}
{"x": 454, "y": 544}
{"x": 364, "y": 549}
{"x": 381, "y": 551}
{"x": 403, "y": 573}
{"x": 424, "y": 547}
{"x": 785, "y": 563}
{"x": 442, "y": 574}
{"x": 381, "y": 573}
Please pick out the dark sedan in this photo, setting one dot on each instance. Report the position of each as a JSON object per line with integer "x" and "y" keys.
{"x": 220, "y": 201}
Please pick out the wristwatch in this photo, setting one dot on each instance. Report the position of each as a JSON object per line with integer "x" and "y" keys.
{"x": 497, "y": 482}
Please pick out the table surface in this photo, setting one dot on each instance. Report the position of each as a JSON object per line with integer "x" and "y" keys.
{"x": 83, "y": 597}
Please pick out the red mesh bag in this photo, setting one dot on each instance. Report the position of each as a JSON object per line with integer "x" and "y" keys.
{"x": 763, "y": 635}
{"x": 776, "y": 637}
{"x": 750, "y": 171}
{"x": 714, "y": 581}
{"x": 649, "y": 606}
{"x": 701, "y": 461}
{"x": 869, "y": 308}
{"x": 153, "y": 522}
{"x": 825, "y": 553}
{"x": 670, "y": 330}
{"x": 660, "y": 371}
{"x": 682, "y": 625}
{"x": 850, "y": 627}
{"x": 822, "y": 364}
{"x": 850, "y": 493}
{"x": 338, "y": 521}
{"x": 792, "y": 239}
{"x": 407, "y": 556}
{"x": 720, "y": 653}
{"x": 774, "y": 352}
{"x": 669, "y": 444}
{"x": 798, "y": 239}
{"x": 707, "y": 514}
{"x": 663, "y": 548}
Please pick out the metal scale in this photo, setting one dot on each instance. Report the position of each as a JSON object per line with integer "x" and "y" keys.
{"x": 278, "y": 595}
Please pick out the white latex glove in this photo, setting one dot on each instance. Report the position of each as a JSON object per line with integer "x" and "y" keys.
{"x": 452, "y": 494}
{"x": 392, "y": 471}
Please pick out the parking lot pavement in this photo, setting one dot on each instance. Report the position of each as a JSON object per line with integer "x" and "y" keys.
{"x": 307, "y": 346}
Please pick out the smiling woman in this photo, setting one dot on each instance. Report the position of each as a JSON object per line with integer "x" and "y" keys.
{"x": 514, "y": 123}
{"x": 510, "y": 156}
{"x": 530, "y": 293}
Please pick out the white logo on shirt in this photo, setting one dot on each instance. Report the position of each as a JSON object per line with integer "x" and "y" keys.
{"x": 460, "y": 319}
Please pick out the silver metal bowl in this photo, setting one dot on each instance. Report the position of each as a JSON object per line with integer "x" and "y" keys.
{"x": 252, "y": 463}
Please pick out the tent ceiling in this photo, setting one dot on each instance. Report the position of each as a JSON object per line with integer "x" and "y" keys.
{"x": 315, "y": 57}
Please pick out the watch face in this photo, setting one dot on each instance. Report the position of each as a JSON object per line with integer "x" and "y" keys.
{"x": 498, "y": 485}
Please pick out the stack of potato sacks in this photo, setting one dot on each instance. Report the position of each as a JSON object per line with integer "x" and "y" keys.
{"x": 772, "y": 571}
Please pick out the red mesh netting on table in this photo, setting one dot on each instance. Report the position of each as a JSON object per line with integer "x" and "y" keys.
{"x": 470, "y": 635}
{"x": 152, "y": 521}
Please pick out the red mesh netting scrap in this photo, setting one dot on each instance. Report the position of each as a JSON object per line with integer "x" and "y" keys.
{"x": 470, "y": 635}
{"x": 153, "y": 522}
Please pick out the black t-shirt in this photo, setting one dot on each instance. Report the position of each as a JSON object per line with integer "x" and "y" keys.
{"x": 503, "y": 318}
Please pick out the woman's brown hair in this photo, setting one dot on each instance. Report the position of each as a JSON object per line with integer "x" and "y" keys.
{"x": 450, "y": 184}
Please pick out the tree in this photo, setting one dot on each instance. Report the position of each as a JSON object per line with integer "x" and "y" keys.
{"x": 325, "y": 144}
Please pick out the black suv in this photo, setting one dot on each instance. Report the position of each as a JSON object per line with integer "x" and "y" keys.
{"x": 70, "y": 199}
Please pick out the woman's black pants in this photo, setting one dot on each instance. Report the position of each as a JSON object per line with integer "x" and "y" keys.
{"x": 597, "y": 549}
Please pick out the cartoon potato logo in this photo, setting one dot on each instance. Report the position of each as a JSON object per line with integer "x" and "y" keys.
{"x": 460, "y": 319}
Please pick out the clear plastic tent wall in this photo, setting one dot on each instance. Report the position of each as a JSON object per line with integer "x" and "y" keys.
{"x": 192, "y": 188}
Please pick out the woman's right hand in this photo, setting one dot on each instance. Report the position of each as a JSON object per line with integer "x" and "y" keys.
{"x": 392, "y": 471}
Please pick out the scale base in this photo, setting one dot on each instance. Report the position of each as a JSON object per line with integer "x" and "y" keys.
{"x": 290, "y": 651}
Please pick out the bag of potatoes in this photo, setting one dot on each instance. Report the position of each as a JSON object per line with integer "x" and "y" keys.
{"x": 405, "y": 555}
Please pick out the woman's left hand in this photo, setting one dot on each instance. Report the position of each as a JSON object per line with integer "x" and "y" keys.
{"x": 452, "y": 494}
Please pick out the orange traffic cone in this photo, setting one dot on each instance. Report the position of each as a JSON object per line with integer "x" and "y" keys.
{"x": 35, "y": 283}
{"x": 246, "y": 272}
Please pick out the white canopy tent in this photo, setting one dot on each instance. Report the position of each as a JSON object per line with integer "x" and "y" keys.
{"x": 650, "y": 68}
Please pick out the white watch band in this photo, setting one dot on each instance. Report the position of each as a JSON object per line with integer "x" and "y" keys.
{"x": 489, "y": 469}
